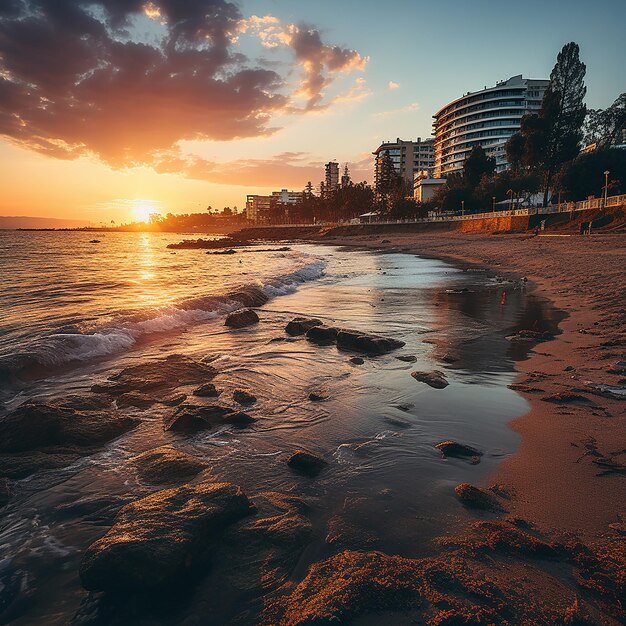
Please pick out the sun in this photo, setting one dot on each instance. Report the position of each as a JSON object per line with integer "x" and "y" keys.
{"x": 142, "y": 209}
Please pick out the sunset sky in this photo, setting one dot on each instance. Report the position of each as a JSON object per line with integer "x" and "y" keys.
{"x": 110, "y": 109}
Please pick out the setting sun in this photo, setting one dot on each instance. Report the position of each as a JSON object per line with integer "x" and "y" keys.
{"x": 142, "y": 209}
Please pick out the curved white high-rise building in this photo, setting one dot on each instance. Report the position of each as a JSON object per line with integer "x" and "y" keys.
{"x": 484, "y": 118}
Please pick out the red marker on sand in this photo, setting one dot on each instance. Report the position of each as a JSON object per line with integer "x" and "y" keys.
{"x": 503, "y": 298}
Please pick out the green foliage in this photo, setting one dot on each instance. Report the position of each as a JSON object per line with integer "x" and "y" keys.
{"x": 603, "y": 127}
{"x": 584, "y": 176}
{"x": 477, "y": 165}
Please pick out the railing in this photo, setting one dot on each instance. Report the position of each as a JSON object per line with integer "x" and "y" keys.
{"x": 563, "y": 207}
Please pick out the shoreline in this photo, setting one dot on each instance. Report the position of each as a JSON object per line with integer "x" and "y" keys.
{"x": 568, "y": 473}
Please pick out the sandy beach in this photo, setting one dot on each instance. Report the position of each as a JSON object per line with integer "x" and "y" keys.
{"x": 569, "y": 472}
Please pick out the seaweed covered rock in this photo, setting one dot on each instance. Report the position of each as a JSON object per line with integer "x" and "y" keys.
{"x": 477, "y": 498}
{"x": 241, "y": 319}
{"x": 167, "y": 465}
{"x": 155, "y": 541}
{"x": 459, "y": 450}
{"x": 300, "y": 325}
{"x": 243, "y": 397}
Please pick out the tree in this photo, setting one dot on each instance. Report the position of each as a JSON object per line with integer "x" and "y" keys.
{"x": 603, "y": 127}
{"x": 584, "y": 176}
{"x": 477, "y": 165}
{"x": 567, "y": 111}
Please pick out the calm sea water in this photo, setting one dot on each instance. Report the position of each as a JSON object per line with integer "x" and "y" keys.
{"x": 74, "y": 312}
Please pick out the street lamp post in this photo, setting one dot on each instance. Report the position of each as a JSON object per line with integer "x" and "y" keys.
{"x": 493, "y": 204}
{"x": 510, "y": 193}
{"x": 606, "y": 185}
{"x": 462, "y": 208}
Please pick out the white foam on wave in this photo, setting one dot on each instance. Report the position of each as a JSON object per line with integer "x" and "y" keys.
{"x": 121, "y": 336}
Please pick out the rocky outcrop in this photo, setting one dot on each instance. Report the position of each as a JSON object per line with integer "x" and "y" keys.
{"x": 451, "y": 448}
{"x": 364, "y": 342}
{"x": 530, "y": 336}
{"x": 356, "y": 360}
{"x": 155, "y": 541}
{"x": 322, "y": 334}
{"x": 243, "y": 397}
{"x": 407, "y": 358}
{"x": 167, "y": 465}
{"x": 306, "y": 463}
{"x": 207, "y": 390}
{"x": 249, "y": 296}
{"x": 316, "y": 396}
{"x": 476, "y": 498}
{"x": 435, "y": 379}
{"x": 191, "y": 418}
{"x": 241, "y": 319}
{"x": 34, "y": 426}
{"x": 300, "y": 325}
{"x": 157, "y": 379}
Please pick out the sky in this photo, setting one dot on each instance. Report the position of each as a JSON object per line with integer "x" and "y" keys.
{"x": 112, "y": 109}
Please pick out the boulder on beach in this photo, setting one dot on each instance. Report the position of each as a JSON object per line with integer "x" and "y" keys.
{"x": 566, "y": 397}
{"x": 306, "y": 463}
{"x": 356, "y": 360}
{"x": 435, "y": 379}
{"x": 33, "y": 426}
{"x": 157, "y": 378}
{"x": 190, "y": 418}
{"x": 167, "y": 465}
{"x": 530, "y": 336}
{"x": 157, "y": 540}
{"x": 459, "y": 450}
{"x": 207, "y": 390}
{"x": 316, "y": 396}
{"x": 364, "y": 342}
{"x": 407, "y": 358}
{"x": 300, "y": 325}
{"x": 476, "y": 498}
{"x": 243, "y": 397}
{"x": 322, "y": 334}
{"x": 242, "y": 318}
{"x": 134, "y": 399}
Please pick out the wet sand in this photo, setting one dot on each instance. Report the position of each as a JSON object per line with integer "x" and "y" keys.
{"x": 568, "y": 474}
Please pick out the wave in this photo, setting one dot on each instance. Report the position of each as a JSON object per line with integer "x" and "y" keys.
{"x": 122, "y": 334}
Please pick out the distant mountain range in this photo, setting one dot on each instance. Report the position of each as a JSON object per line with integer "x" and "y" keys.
{"x": 23, "y": 221}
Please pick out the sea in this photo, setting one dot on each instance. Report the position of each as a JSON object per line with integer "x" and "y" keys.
{"x": 74, "y": 311}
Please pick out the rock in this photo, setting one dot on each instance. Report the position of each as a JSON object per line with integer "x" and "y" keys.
{"x": 317, "y": 397}
{"x": 135, "y": 399}
{"x": 449, "y": 358}
{"x": 240, "y": 319}
{"x": 228, "y": 251}
{"x": 156, "y": 540}
{"x": 460, "y": 450}
{"x": 476, "y": 498}
{"x": 567, "y": 398}
{"x": 157, "y": 378}
{"x": 5, "y": 492}
{"x": 346, "y": 586}
{"x": 300, "y": 325}
{"x": 33, "y": 426}
{"x": 95, "y": 241}
{"x": 207, "y": 390}
{"x": 363, "y": 342}
{"x": 191, "y": 418}
{"x": 435, "y": 378}
{"x": 530, "y": 336}
{"x": 407, "y": 358}
{"x": 322, "y": 334}
{"x": 167, "y": 465}
{"x": 173, "y": 400}
{"x": 306, "y": 463}
{"x": 243, "y": 397}
{"x": 357, "y": 360}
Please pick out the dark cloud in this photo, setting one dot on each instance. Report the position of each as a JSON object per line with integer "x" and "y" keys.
{"x": 69, "y": 84}
{"x": 76, "y": 79}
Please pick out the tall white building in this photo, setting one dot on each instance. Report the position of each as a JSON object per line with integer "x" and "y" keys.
{"x": 408, "y": 157}
{"x": 484, "y": 118}
{"x": 331, "y": 180}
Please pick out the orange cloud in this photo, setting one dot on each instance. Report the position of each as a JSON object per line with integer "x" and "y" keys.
{"x": 73, "y": 82}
